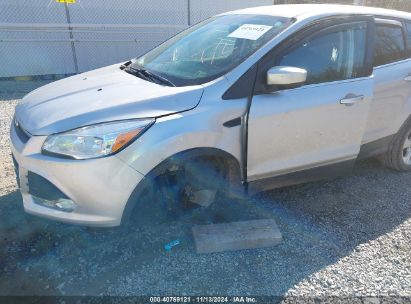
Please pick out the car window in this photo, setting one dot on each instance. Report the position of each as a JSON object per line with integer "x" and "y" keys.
{"x": 331, "y": 55}
{"x": 211, "y": 48}
{"x": 389, "y": 44}
{"x": 408, "y": 25}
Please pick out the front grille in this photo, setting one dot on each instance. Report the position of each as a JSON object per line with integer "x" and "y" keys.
{"x": 22, "y": 134}
{"x": 42, "y": 188}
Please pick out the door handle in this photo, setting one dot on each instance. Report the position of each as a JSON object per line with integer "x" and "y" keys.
{"x": 351, "y": 99}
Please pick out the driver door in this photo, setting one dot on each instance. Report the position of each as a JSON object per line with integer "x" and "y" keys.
{"x": 321, "y": 123}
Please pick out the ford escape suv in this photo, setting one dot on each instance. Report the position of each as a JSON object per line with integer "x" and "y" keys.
{"x": 242, "y": 102}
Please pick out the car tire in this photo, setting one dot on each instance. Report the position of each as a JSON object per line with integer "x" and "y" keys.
{"x": 398, "y": 156}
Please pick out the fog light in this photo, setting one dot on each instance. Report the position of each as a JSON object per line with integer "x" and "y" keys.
{"x": 61, "y": 204}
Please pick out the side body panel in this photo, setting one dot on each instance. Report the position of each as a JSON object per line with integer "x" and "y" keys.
{"x": 306, "y": 127}
{"x": 391, "y": 103}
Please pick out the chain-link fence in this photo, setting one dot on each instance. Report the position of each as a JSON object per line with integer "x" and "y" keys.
{"x": 47, "y": 37}
{"x": 404, "y": 5}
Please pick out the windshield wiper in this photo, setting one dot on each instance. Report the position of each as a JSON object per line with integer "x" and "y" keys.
{"x": 158, "y": 77}
{"x": 136, "y": 72}
{"x": 124, "y": 65}
{"x": 148, "y": 75}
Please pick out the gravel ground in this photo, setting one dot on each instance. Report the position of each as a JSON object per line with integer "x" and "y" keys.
{"x": 346, "y": 237}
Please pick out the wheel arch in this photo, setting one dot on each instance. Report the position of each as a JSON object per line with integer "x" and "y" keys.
{"x": 231, "y": 164}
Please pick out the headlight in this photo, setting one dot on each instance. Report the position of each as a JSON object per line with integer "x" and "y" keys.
{"x": 97, "y": 140}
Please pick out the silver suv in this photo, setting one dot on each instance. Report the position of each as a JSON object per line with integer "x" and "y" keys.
{"x": 242, "y": 102}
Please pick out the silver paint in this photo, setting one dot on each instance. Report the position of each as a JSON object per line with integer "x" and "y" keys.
{"x": 283, "y": 75}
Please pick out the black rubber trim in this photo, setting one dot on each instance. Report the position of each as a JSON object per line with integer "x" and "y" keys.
{"x": 303, "y": 176}
{"x": 244, "y": 133}
{"x": 233, "y": 122}
{"x": 243, "y": 87}
{"x": 374, "y": 148}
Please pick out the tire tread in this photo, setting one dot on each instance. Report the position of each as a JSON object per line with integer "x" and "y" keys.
{"x": 392, "y": 158}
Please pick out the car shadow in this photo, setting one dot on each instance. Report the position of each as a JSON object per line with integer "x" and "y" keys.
{"x": 321, "y": 223}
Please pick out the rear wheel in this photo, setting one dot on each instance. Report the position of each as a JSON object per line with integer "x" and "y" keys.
{"x": 398, "y": 156}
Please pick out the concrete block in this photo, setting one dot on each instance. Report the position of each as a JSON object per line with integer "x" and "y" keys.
{"x": 236, "y": 235}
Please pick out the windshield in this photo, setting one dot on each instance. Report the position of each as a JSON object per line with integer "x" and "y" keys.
{"x": 211, "y": 48}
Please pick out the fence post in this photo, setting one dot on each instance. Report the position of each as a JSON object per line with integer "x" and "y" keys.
{"x": 73, "y": 47}
{"x": 188, "y": 13}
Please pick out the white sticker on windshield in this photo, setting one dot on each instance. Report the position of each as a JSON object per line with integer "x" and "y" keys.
{"x": 250, "y": 31}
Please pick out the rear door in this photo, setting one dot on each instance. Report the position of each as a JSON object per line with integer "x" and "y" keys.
{"x": 321, "y": 122}
{"x": 392, "y": 76}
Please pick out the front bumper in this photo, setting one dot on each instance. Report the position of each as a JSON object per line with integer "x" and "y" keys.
{"x": 100, "y": 188}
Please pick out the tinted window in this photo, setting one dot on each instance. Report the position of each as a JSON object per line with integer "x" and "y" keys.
{"x": 330, "y": 56}
{"x": 389, "y": 44}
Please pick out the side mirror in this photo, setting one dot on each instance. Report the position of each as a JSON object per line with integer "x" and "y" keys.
{"x": 286, "y": 76}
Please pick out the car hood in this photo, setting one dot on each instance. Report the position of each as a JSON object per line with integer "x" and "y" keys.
{"x": 102, "y": 95}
